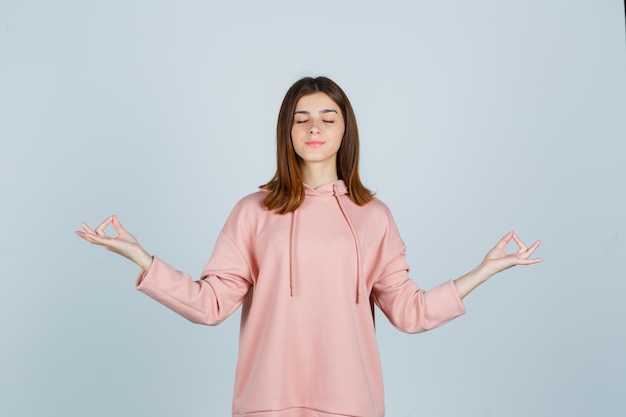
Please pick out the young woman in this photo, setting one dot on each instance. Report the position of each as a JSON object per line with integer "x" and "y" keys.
{"x": 308, "y": 256}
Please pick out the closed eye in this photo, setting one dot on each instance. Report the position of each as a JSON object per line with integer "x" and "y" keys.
{"x": 329, "y": 121}
{"x": 301, "y": 121}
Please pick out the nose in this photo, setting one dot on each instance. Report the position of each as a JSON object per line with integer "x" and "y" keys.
{"x": 315, "y": 129}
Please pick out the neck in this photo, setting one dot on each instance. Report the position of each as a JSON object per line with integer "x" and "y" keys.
{"x": 316, "y": 176}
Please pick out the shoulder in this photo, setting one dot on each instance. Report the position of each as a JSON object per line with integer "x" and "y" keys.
{"x": 373, "y": 217}
{"x": 250, "y": 205}
{"x": 246, "y": 216}
{"x": 253, "y": 201}
{"x": 376, "y": 209}
{"x": 378, "y": 205}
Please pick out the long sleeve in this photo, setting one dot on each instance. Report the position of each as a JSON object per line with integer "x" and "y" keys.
{"x": 413, "y": 310}
{"x": 404, "y": 303}
{"x": 224, "y": 284}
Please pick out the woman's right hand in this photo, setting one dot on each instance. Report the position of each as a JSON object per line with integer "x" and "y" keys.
{"x": 123, "y": 244}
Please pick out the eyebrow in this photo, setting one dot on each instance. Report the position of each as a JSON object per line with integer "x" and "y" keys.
{"x": 321, "y": 111}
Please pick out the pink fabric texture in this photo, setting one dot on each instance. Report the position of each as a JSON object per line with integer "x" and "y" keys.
{"x": 308, "y": 282}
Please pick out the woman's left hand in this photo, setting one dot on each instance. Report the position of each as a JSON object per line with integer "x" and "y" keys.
{"x": 495, "y": 261}
{"x": 498, "y": 260}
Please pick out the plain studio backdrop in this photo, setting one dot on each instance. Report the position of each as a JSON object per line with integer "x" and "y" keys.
{"x": 476, "y": 118}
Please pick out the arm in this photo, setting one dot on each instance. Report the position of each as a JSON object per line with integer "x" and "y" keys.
{"x": 413, "y": 310}
{"x": 495, "y": 261}
{"x": 224, "y": 284}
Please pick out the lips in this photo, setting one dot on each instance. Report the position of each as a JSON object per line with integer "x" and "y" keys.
{"x": 314, "y": 143}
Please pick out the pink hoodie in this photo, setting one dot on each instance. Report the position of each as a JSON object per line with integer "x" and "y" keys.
{"x": 308, "y": 282}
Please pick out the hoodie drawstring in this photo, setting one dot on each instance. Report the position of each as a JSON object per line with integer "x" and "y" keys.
{"x": 292, "y": 253}
{"x": 356, "y": 244}
{"x": 292, "y": 248}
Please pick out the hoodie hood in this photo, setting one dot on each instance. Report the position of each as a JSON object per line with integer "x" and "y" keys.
{"x": 338, "y": 190}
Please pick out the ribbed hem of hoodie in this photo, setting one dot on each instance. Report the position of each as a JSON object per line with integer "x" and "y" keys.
{"x": 297, "y": 412}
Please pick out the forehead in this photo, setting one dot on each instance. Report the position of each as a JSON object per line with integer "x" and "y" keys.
{"x": 315, "y": 102}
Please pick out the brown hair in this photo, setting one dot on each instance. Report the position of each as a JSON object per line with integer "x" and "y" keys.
{"x": 286, "y": 189}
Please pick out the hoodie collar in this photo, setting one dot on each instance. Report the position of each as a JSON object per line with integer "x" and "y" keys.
{"x": 331, "y": 188}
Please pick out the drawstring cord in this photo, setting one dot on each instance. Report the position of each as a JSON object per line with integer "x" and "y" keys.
{"x": 292, "y": 253}
{"x": 292, "y": 248}
{"x": 356, "y": 244}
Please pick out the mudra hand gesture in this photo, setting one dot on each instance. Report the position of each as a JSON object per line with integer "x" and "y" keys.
{"x": 495, "y": 261}
{"x": 498, "y": 260}
{"x": 123, "y": 244}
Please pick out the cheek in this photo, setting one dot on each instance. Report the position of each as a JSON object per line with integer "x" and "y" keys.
{"x": 341, "y": 133}
{"x": 296, "y": 130}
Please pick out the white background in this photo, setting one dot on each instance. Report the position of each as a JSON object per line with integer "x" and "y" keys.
{"x": 476, "y": 118}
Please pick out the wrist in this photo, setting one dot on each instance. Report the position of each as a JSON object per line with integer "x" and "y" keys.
{"x": 483, "y": 272}
{"x": 144, "y": 260}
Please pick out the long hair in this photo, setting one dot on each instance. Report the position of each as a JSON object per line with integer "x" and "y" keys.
{"x": 286, "y": 189}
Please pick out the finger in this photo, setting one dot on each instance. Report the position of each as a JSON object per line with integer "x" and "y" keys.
{"x": 103, "y": 225}
{"x": 117, "y": 225}
{"x": 87, "y": 228}
{"x": 530, "y": 250}
{"x": 505, "y": 240}
{"x": 91, "y": 238}
{"x": 522, "y": 246}
{"x": 530, "y": 261}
